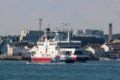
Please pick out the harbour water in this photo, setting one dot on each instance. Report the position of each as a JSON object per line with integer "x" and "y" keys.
{"x": 91, "y": 70}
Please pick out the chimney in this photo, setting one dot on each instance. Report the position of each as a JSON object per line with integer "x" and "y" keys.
{"x": 110, "y": 33}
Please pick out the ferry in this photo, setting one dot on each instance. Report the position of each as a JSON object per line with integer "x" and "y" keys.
{"x": 55, "y": 50}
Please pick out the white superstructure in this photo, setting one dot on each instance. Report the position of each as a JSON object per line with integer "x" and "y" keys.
{"x": 48, "y": 50}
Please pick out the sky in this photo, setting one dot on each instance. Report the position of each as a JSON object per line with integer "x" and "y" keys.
{"x": 17, "y": 15}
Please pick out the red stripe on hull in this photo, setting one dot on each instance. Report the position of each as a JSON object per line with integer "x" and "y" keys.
{"x": 42, "y": 60}
{"x": 74, "y": 58}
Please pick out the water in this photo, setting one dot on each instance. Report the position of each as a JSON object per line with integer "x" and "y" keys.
{"x": 92, "y": 70}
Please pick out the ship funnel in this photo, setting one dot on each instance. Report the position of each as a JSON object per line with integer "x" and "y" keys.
{"x": 47, "y": 33}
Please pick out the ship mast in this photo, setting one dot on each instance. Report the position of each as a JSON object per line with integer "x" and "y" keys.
{"x": 40, "y": 25}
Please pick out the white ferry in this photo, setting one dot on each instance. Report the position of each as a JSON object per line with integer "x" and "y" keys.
{"x": 55, "y": 50}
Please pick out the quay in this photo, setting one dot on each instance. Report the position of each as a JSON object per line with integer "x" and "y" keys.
{"x": 13, "y": 58}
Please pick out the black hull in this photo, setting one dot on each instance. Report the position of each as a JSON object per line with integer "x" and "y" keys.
{"x": 82, "y": 59}
{"x": 69, "y": 61}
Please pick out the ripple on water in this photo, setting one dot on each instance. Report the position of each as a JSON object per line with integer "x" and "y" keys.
{"x": 92, "y": 70}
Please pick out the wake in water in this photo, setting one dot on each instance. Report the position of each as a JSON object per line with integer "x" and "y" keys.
{"x": 45, "y": 63}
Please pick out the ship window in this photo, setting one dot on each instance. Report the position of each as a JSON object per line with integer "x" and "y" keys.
{"x": 68, "y": 53}
{"x": 78, "y": 52}
{"x": 33, "y": 53}
{"x": 56, "y": 48}
{"x": 52, "y": 52}
{"x": 46, "y": 55}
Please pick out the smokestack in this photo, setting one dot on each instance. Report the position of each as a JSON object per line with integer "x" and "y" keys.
{"x": 110, "y": 33}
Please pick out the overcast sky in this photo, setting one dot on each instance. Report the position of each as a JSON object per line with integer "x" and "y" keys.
{"x": 17, "y": 15}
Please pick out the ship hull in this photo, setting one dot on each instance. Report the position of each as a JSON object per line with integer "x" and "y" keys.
{"x": 82, "y": 58}
{"x": 50, "y": 60}
{"x": 41, "y": 60}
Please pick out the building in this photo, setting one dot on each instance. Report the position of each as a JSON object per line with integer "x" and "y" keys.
{"x": 94, "y": 32}
{"x": 22, "y": 35}
{"x": 89, "y": 39}
{"x": 30, "y": 36}
{"x": 99, "y": 50}
{"x": 19, "y": 49}
{"x": 3, "y": 46}
{"x": 109, "y": 50}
